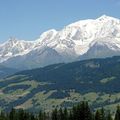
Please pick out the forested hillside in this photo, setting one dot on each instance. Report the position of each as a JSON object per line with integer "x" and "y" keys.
{"x": 96, "y": 81}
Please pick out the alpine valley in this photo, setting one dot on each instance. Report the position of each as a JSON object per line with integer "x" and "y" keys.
{"x": 63, "y": 85}
{"x": 62, "y": 68}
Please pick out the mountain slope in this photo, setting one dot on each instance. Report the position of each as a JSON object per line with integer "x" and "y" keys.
{"x": 4, "y": 71}
{"x": 77, "y": 41}
{"x": 95, "y": 80}
{"x": 36, "y": 58}
{"x": 14, "y": 47}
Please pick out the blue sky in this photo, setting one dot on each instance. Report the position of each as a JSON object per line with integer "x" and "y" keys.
{"x": 27, "y": 19}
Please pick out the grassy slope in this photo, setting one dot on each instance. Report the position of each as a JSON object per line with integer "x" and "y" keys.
{"x": 96, "y": 81}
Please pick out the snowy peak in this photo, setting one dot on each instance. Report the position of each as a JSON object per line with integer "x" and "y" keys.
{"x": 105, "y": 17}
{"x": 14, "y": 47}
{"x": 12, "y": 40}
{"x": 86, "y": 38}
{"x": 49, "y": 34}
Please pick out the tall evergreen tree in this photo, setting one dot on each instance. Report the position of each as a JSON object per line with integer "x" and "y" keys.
{"x": 82, "y": 112}
{"x": 71, "y": 115}
{"x": 3, "y": 116}
{"x": 97, "y": 115}
{"x": 117, "y": 114}
{"x": 65, "y": 114}
{"x": 54, "y": 115}
{"x": 61, "y": 114}
{"x": 74, "y": 113}
{"x": 100, "y": 114}
{"x": 109, "y": 116}
{"x": 12, "y": 114}
{"x": 103, "y": 117}
{"x": 41, "y": 115}
{"x": 85, "y": 112}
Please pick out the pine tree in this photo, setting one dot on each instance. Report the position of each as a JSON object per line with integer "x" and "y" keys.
{"x": 103, "y": 117}
{"x": 71, "y": 116}
{"x": 74, "y": 113}
{"x": 109, "y": 116}
{"x": 97, "y": 115}
{"x": 2, "y": 116}
{"x": 32, "y": 117}
{"x": 44, "y": 116}
{"x": 82, "y": 112}
{"x": 100, "y": 114}
{"x": 85, "y": 112}
{"x": 12, "y": 114}
{"x": 65, "y": 114}
{"x": 21, "y": 115}
{"x": 61, "y": 114}
{"x": 40, "y": 116}
{"x": 117, "y": 114}
{"x": 54, "y": 114}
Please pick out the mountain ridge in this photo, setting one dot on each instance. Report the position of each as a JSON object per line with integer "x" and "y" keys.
{"x": 74, "y": 42}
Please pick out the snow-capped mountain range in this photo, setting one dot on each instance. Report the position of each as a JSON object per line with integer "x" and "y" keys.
{"x": 92, "y": 38}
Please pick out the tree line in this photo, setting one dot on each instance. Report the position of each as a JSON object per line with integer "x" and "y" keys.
{"x": 81, "y": 111}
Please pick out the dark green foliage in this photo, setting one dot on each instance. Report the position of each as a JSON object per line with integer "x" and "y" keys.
{"x": 117, "y": 115}
{"x": 41, "y": 116}
{"x": 55, "y": 114}
{"x": 100, "y": 115}
{"x": 3, "y": 116}
{"x": 61, "y": 114}
{"x": 65, "y": 114}
{"x": 97, "y": 115}
{"x": 80, "y": 112}
{"x": 70, "y": 75}
{"x": 109, "y": 116}
{"x": 12, "y": 115}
